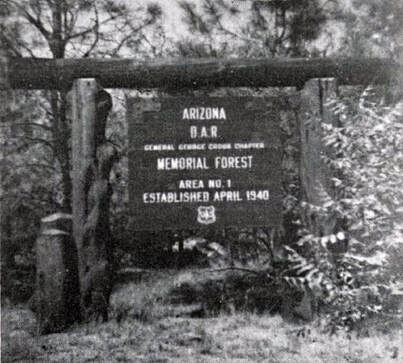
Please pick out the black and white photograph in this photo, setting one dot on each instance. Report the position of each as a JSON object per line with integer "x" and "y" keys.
{"x": 201, "y": 181}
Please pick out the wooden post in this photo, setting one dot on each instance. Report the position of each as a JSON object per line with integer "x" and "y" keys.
{"x": 315, "y": 176}
{"x": 4, "y": 83}
{"x": 92, "y": 160}
{"x": 5, "y": 94}
{"x": 55, "y": 300}
{"x": 83, "y": 126}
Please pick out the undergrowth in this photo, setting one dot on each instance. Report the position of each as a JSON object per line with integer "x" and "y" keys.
{"x": 159, "y": 330}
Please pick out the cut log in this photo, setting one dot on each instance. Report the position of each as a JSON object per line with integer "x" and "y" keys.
{"x": 32, "y": 73}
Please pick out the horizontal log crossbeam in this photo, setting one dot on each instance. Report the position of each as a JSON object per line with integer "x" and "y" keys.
{"x": 33, "y": 73}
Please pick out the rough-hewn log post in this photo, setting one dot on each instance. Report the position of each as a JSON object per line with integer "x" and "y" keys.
{"x": 55, "y": 300}
{"x": 92, "y": 160}
{"x": 315, "y": 175}
{"x": 83, "y": 149}
{"x": 4, "y": 71}
{"x": 5, "y": 226}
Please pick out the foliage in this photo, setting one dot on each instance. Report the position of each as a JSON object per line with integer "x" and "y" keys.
{"x": 365, "y": 157}
{"x": 253, "y": 28}
{"x": 26, "y": 193}
{"x": 74, "y": 28}
{"x": 370, "y": 28}
{"x": 368, "y": 164}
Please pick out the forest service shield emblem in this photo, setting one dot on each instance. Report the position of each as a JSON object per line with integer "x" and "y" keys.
{"x": 206, "y": 214}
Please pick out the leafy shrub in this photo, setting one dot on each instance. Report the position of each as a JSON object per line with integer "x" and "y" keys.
{"x": 366, "y": 160}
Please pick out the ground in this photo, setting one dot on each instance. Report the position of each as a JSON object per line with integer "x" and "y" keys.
{"x": 145, "y": 328}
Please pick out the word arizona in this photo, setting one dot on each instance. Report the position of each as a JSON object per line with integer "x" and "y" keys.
{"x": 204, "y": 113}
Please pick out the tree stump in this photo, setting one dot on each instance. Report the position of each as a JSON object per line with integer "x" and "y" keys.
{"x": 55, "y": 300}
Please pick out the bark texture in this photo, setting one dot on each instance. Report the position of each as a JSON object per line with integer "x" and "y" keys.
{"x": 316, "y": 184}
{"x": 315, "y": 175}
{"x": 93, "y": 158}
{"x": 176, "y": 74}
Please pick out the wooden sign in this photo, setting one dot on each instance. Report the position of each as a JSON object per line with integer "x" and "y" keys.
{"x": 204, "y": 162}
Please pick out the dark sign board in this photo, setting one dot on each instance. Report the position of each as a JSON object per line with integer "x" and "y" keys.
{"x": 204, "y": 162}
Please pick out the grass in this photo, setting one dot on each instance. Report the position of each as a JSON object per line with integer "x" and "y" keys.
{"x": 146, "y": 327}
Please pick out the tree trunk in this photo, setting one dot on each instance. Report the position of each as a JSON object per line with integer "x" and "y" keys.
{"x": 92, "y": 160}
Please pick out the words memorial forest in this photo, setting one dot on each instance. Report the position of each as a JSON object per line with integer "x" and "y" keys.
{"x": 197, "y": 180}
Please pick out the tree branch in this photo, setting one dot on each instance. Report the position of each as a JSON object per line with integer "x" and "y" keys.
{"x": 32, "y": 196}
{"x": 36, "y": 165}
{"x": 90, "y": 30}
{"x": 47, "y": 128}
{"x": 40, "y": 141}
{"x": 26, "y": 48}
{"x": 72, "y": 23}
{"x": 36, "y": 22}
{"x": 96, "y": 34}
{"x": 8, "y": 43}
{"x": 237, "y": 269}
{"x": 122, "y": 42}
{"x": 235, "y": 35}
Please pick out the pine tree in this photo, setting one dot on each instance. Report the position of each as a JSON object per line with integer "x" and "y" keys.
{"x": 253, "y": 28}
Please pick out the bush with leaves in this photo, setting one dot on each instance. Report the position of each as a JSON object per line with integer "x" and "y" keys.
{"x": 366, "y": 159}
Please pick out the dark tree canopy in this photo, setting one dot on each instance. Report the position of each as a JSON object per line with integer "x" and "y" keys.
{"x": 66, "y": 29}
{"x": 254, "y": 28}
